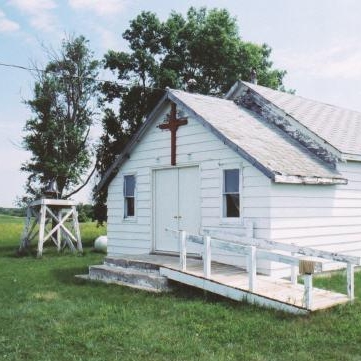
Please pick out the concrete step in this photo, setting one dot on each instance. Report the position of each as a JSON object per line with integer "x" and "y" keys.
{"x": 131, "y": 263}
{"x": 145, "y": 279}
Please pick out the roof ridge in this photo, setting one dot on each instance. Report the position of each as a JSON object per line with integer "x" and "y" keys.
{"x": 251, "y": 85}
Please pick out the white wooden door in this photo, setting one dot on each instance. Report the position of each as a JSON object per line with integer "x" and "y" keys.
{"x": 177, "y": 205}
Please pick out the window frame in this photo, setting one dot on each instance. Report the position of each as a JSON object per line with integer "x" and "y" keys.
{"x": 127, "y": 217}
{"x": 224, "y": 219}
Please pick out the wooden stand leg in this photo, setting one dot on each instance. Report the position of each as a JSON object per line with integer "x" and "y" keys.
{"x": 77, "y": 229}
{"x": 58, "y": 233}
{"x": 41, "y": 229}
{"x": 53, "y": 217}
{"x": 25, "y": 239}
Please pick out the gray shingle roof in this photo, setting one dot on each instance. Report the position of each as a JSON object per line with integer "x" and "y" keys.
{"x": 337, "y": 126}
{"x": 269, "y": 146}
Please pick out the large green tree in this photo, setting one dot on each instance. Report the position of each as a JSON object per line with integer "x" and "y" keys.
{"x": 205, "y": 46}
{"x": 58, "y": 133}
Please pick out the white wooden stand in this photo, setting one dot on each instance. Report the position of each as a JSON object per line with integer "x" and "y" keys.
{"x": 51, "y": 215}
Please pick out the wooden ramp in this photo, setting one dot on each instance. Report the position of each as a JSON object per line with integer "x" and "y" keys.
{"x": 233, "y": 282}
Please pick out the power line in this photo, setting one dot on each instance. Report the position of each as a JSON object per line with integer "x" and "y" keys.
{"x": 77, "y": 77}
{"x": 19, "y": 67}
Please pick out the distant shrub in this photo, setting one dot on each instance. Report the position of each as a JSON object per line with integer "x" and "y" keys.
{"x": 15, "y": 212}
{"x": 85, "y": 212}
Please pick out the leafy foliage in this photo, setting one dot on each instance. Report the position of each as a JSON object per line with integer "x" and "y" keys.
{"x": 57, "y": 134}
{"x": 204, "y": 46}
{"x": 85, "y": 212}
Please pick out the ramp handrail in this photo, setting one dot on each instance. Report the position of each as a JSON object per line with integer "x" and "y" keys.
{"x": 255, "y": 249}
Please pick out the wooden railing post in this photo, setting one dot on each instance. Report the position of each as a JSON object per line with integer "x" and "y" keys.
{"x": 252, "y": 268}
{"x": 183, "y": 250}
{"x": 207, "y": 254}
{"x": 350, "y": 281}
{"x": 308, "y": 290}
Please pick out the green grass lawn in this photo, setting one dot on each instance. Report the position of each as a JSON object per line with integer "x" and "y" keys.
{"x": 48, "y": 314}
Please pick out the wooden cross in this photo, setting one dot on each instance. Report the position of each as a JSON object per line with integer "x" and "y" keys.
{"x": 172, "y": 125}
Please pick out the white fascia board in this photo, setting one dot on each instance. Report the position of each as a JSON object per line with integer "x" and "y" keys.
{"x": 293, "y": 179}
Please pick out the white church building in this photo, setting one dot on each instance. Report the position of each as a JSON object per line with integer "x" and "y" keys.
{"x": 289, "y": 165}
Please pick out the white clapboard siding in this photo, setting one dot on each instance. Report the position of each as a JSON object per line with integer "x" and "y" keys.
{"x": 126, "y": 249}
{"x": 289, "y": 212}
{"x": 323, "y": 217}
{"x": 196, "y": 145}
{"x": 286, "y": 223}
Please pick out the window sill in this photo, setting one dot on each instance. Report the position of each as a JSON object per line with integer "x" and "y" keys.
{"x": 129, "y": 220}
{"x": 231, "y": 221}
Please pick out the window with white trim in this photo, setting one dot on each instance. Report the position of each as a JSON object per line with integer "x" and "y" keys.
{"x": 231, "y": 198}
{"x": 129, "y": 196}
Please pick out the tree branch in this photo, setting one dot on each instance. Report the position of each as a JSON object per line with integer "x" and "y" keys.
{"x": 82, "y": 186}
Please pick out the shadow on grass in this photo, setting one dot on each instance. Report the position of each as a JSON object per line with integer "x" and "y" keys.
{"x": 67, "y": 275}
{"x": 13, "y": 252}
{"x": 188, "y": 293}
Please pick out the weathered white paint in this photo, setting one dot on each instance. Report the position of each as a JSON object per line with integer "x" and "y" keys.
{"x": 256, "y": 249}
{"x": 323, "y": 217}
{"x": 252, "y": 268}
{"x": 308, "y": 291}
{"x": 207, "y": 256}
{"x": 50, "y": 211}
{"x": 228, "y": 291}
{"x": 183, "y": 250}
{"x": 350, "y": 281}
{"x": 176, "y": 205}
{"x": 326, "y": 217}
{"x": 196, "y": 147}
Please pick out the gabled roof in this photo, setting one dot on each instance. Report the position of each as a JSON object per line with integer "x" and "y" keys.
{"x": 264, "y": 145}
{"x": 339, "y": 127}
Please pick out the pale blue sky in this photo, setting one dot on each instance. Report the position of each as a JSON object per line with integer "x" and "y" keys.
{"x": 317, "y": 42}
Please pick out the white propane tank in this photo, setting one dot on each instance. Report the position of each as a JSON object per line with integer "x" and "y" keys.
{"x": 100, "y": 244}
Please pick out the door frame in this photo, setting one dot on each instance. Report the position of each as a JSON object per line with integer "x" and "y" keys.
{"x": 153, "y": 187}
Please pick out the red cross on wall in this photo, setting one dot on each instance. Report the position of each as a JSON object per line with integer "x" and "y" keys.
{"x": 172, "y": 125}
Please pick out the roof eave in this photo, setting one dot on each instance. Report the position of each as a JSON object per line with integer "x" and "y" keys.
{"x": 296, "y": 179}
{"x": 352, "y": 157}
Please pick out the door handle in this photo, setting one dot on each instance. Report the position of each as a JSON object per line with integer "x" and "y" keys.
{"x": 177, "y": 217}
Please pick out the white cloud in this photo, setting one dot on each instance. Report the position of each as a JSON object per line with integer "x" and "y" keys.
{"x": 340, "y": 60}
{"x": 108, "y": 39}
{"x": 7, "y": 25}
{"x": 100, "y": 8}
{"x": 40, "y": 12}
